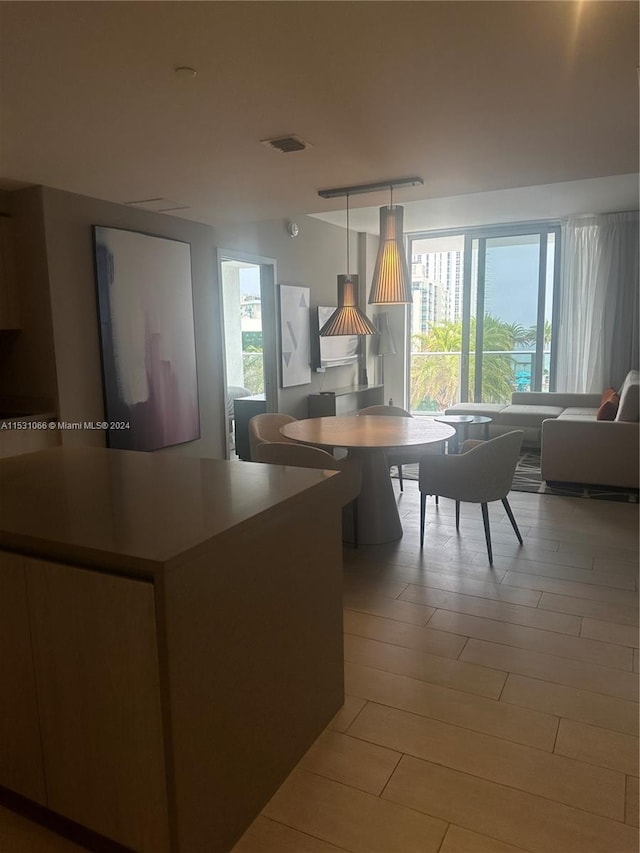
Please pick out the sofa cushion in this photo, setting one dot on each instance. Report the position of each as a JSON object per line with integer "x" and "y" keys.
{"x": 528, "y": 416}
{"x": 629, "y": 407}
{"x": 489, "y": 410}
{"x": 580, "y": 412}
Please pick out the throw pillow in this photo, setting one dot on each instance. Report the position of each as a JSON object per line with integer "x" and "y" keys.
{"x": 608, "y": 405}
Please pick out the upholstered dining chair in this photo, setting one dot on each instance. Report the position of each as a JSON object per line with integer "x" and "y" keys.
{"x": 266, "y": 428}
{"x": 305, "y": 456}
{"x": 481, "y": 473}
{"x": 400, "y": 456}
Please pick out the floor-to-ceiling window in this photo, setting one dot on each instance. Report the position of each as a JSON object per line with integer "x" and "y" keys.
{"x": 482, "y": 314}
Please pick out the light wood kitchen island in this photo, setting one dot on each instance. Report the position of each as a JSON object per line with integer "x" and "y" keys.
{"x": 170, "y": 638}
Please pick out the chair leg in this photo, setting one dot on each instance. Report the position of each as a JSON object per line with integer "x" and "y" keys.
{"x": 457, "y": 515}
{"x": 505, "y": 504}
{"x": 423, "y": 507}
{"x": 487, "y": 532}
{"x": 437, "y": 501}
{"x": 354, "y": 517}
{"x": 400, "y": 478}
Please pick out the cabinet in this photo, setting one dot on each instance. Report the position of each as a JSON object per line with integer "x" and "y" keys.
{"x": 244, "y": 409}
{"x": 21, "y": 767}
{"x": 149, "y": 673}
{"x": 97, "y": 676}
{"x": 345, "y": 401}
{"x": 9, "y": 312}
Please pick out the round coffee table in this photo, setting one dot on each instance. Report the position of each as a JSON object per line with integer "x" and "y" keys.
{"x": 462, "y": 423}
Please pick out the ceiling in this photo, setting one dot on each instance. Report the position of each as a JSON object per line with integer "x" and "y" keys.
{"x": 474, "y": 97}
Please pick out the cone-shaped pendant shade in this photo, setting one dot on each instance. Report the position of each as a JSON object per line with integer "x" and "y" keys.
{"x": 391, "y": 283}
{"x": 348, "y": 319}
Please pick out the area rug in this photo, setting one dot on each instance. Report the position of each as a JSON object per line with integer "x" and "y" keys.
{"x": 528, "y": 479}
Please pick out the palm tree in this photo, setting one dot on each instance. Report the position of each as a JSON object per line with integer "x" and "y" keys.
{"x": 435, "y": 379}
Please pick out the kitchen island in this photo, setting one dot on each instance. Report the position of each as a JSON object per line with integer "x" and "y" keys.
{"x": 170, "y": 638}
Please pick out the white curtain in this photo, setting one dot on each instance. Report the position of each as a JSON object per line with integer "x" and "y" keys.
{"x": 598, "y": 323}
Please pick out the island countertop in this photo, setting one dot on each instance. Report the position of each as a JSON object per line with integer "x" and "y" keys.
{"x": 136, "y": 512}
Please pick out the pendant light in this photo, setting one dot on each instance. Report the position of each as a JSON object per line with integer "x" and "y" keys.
{"x": 348, "y": 319}
{"x": 391, "y": 283}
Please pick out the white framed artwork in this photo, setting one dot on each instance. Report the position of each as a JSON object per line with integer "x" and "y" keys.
{"x": 294, "y": 336}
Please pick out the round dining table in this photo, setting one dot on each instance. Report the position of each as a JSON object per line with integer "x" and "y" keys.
{"x": 367, "y": 438}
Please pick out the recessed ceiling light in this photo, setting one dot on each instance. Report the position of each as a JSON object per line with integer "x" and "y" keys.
{"x": 184, "y": 71}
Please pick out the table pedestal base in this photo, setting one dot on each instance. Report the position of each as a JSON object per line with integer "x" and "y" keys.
{"x": 378, "y": 517}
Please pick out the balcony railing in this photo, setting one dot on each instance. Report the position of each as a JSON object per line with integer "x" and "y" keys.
{"x": 436, "y": 377}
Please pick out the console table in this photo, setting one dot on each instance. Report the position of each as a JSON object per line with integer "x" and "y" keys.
{"x": 345, "y": 401}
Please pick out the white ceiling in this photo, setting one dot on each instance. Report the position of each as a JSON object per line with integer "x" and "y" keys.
{"x": 475, "y": 97}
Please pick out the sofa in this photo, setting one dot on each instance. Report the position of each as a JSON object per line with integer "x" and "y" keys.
{"x": 575, "y": 446}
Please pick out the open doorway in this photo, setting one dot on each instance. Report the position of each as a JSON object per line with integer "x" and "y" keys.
{"x": 248, "y": 312}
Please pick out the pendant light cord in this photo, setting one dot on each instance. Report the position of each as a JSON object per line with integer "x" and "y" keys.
{"x": 391, "y": 196}
{"x": 348, "y": 269}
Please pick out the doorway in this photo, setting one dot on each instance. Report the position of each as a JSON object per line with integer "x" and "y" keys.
{"x": 249, "y": 334}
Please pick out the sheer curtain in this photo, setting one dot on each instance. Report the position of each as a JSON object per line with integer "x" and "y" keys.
{"x": 598, "y": 324}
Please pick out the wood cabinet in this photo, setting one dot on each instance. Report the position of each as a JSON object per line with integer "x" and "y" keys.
{"x": 97, "y": 676}
{"x": 345, "y": 401}
{"x": 21, "y": 768}
{"x": 9, "y": 306}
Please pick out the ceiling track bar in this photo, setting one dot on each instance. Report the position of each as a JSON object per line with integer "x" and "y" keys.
{"x": 370, "y": 188}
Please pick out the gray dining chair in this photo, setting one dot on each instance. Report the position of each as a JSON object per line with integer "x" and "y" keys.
{"x": 481, "y": 473}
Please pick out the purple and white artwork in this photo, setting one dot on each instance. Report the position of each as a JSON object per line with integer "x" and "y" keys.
{"x": 145, "y": 307}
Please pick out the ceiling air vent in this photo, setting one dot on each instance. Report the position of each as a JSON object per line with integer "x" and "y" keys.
{"x": 285, "y": 144}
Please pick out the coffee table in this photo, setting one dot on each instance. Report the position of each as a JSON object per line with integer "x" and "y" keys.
{"x": 367, "y": 437}
{"x": 462, "y": 423}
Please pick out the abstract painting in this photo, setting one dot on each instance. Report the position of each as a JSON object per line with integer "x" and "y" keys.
{"x": 294, "y": 335}
{"x": 145, "y": 307}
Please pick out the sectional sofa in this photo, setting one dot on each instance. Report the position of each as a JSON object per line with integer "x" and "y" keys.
{"x": 576, "y": 447}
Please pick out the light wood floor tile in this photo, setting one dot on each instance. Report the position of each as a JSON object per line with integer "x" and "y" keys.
{"x": 566, "y": 573}
{"x": 361, "y": 765}
{"x": 558, "y": 670}
{"x": 520, "y": 725}
{"x": 402, "y": 634}
{"x": 550, "y": 642}
{"x": 512, "y": 554}
{"x": 19, "y": 835}
{"x": 502, "y": 611}
{"x": 268, "y": 836}
{"x": 352, "y": 819}
{"x": 347, "y": 714}
{"x": 582, "y": 705}
{"x": 625, "y": 635}
{"x": 598, "y": 746}
{"x": 479, "y": 680}
{"x": 467, "y": 586}
{"x": 603, "y": 563}
{"x": 571, "y": 782}
{"x": 359, "y": 583}
{"x": 390, "y": 608}
{"x": 607, "y": 553}
{"x": 622, "y": 614}
{"x": 518, "y": 818}
{"x": 631, "y": 813}
{"x": 459, "y": 840}
{"x": 595, "y": 592}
